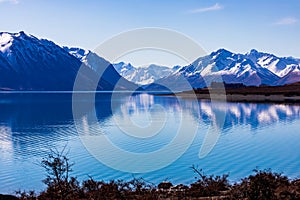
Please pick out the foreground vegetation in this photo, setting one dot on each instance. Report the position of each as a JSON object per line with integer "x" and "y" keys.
{"x": 262, "y": 185}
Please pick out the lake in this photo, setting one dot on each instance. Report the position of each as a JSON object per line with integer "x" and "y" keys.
{"x": 155, "y": 137}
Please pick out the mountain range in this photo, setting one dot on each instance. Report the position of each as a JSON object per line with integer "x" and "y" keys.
{"x": 29, "y": 63}
{"x": 251, "y": 69}
{"x": 144, "y": 75}
{"x": 32, "y": 64}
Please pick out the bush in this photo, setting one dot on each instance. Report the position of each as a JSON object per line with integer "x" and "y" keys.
{"x": 208, "y": 185}
{"x": 263, "y": 185}
{"x": 59, "y": 183}
{"x": 165, "y": 185}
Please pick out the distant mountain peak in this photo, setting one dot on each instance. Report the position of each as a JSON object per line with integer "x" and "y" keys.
{"x": 22, "y": 34}
{"x": 253, "y": 51}
{"x": 221, "y": 53}
{"x": 256, "y": 53}
{"x": 6, "y": 36}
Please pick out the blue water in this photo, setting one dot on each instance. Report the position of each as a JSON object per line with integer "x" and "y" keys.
{"x": 248, "y": 135}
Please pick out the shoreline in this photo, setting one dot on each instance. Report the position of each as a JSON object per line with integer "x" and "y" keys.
{"x": 252, "y": 98}
{"x": 237, "y": 93}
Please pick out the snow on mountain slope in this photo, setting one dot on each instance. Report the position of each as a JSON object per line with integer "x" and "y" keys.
{"x": 26, "y": 61}
{"x": 221, "y": 65}
{"x": 143, "y": 75}
{"x": 279, "y": 66}
{"x": 124, "y": 68}
{"x": 99, "y": 64}
{"x": 29, "y": 63}
{"x": 292, "y": 77}
{"x": 79, "y": 53}
{"x": 6, "y": 40}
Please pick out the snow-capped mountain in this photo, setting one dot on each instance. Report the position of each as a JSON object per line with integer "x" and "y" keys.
{"x": 233, "y": 68}
{"x": 100, "y": 65}
{"x": 279, "y": 66}
{"x": 29, "y": 63}
{"x": 143, "y": 75}
{"x": 253, "y": 68}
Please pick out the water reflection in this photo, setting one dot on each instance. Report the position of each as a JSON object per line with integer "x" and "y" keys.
{"x": 30, "y": 124}
{"x": 250, "y": 114}
{"x": 6, "y": 142}
{"x": 33, "y": 123}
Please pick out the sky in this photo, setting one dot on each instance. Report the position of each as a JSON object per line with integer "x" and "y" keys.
{"x": 239, "y": 26}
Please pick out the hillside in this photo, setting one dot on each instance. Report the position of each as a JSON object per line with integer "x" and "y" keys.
{"x": 28, "y": 63}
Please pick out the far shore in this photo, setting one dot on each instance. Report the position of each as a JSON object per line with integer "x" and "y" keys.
{"x": 241, "y": 97}
{"x": 240, "y": 93}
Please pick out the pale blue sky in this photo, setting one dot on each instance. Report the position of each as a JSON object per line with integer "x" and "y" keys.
{"x": 266, "y": 25}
